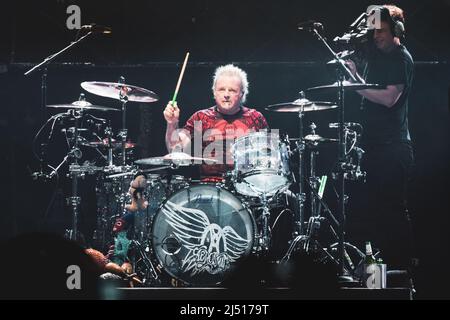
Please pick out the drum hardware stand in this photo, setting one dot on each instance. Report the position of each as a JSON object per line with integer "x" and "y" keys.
{"x": 123, "y": 97}
{"x": 265, "y": 236}
{"x": 75, "y": 154}
{"x": 301, "y": 196}
{"x": 308, "y": 242}
{"x": 341, "y": 72}
{"x": 148, "y": 264}
{"x": 74, "y": 201}
{"x": 108, "y": 132}
{"x": 265, "y": 240}
{"x": 133, "y": 172}
{"x": 75, "y": 172}
{"x": 313, "y": 179}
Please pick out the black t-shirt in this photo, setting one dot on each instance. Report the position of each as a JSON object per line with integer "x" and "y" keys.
{"x": 382, "y": 124}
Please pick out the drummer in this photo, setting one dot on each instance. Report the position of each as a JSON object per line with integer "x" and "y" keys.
{"x": 217, "y": 126}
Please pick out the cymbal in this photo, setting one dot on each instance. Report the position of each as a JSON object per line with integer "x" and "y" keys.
{"x": 113, "y": 90}
{"x": 81, "y": 105}
{"x": 303, "y": 105}
{"x": 104, "y": 144}
{"x": 178, "y": 158}
{"x": 315, "y": 138}
{"x": 348, "y": 86}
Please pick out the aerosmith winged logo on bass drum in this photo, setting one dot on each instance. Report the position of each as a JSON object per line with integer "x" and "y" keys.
{"x": 200, "y": 233}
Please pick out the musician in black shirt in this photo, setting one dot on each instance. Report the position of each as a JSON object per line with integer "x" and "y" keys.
{"x": 386, "y": 140}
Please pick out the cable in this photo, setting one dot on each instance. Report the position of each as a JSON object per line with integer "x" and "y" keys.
{"x": 52, "y": 199}
{"x": 279, "y": 215}
{"x": 33, "y": 146}
{"x": 355, "y": 139}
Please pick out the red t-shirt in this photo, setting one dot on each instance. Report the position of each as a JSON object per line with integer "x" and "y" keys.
{"x": 217, "y": 132}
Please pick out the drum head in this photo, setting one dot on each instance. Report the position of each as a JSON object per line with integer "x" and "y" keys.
{"x": 264, "y": 182}
{"x": 200, "y": 232}
{"x": 261, "y": 164}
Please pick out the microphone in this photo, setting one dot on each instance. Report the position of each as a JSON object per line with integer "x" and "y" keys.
{"x": 95, "y": 28}
{"x": 357, "y": 23}
{"x": 357, "y": 32}
{"x": 310, "y": 25}
{"x": 346, "y": 54}
{"x": 359, "y": 36}
{"x": 334, "y": 125}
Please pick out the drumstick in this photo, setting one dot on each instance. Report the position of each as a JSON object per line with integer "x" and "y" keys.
{"x": 179, "y": 79}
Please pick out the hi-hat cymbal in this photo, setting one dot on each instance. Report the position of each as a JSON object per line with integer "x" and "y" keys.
{"x": 81, "y": 105}
{"x": 177, "y": 158}
{"x": 105, "y": 144}
{"x": 303, "y": 105}
{"x": 315, "y": 138}
{"x": 346, "y": 85}
{"x": 114, "y": 90}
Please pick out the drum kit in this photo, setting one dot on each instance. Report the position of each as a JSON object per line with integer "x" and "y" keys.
{"x": 196, "y": 232}
{"x": 192, "y": 231}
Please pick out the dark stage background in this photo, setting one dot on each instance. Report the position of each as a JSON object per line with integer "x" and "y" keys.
{"x": 150, "y": 39}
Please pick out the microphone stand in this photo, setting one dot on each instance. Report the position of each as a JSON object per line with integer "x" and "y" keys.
{"x": 52, "y": 57}
{"x": 342, "y": 72}
{"x": 46, "y": 62}
{"x": 123, "y": 97}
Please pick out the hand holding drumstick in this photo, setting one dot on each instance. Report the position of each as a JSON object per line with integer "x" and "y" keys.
{"x": 172, "y": 112}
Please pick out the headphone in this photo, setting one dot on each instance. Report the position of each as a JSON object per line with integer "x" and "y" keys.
{"x": 396, "y": 23}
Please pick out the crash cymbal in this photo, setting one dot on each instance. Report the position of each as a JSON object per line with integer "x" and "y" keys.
{"x": 113, "y": 90}
{"x": 81, "y": 105}
{"x": 348, "y": 86}
{"x": 177, "y": 158}
{"x": 301, "y": 105}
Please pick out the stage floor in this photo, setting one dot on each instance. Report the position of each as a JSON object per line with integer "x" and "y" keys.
{"x": 278, "y": 294}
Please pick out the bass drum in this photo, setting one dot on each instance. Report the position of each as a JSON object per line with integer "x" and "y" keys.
{"x": 200, "y": 233}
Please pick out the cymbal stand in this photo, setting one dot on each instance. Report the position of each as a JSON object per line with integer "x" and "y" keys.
{"x": 266, "y": 234}
{"x": 123, "y": 97}
{"x": 74, "y": 201}
{"x": 308, "y": 241}
{"x": 313, "y": 179}
{"x": 298, "y": 235}
{"x": 341, "y": 72}
{"x": 150, "y": 276}
{"x": 110, "y": 158}
{"x": 301, "y": 196}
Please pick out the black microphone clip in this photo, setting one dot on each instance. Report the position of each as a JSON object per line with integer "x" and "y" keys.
{"x": 310, "y": 25}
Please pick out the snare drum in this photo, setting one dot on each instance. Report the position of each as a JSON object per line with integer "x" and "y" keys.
{"x": 261, "y": 164}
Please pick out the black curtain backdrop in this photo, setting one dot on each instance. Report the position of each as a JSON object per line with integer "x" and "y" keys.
{"x": 147, "y": 46}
